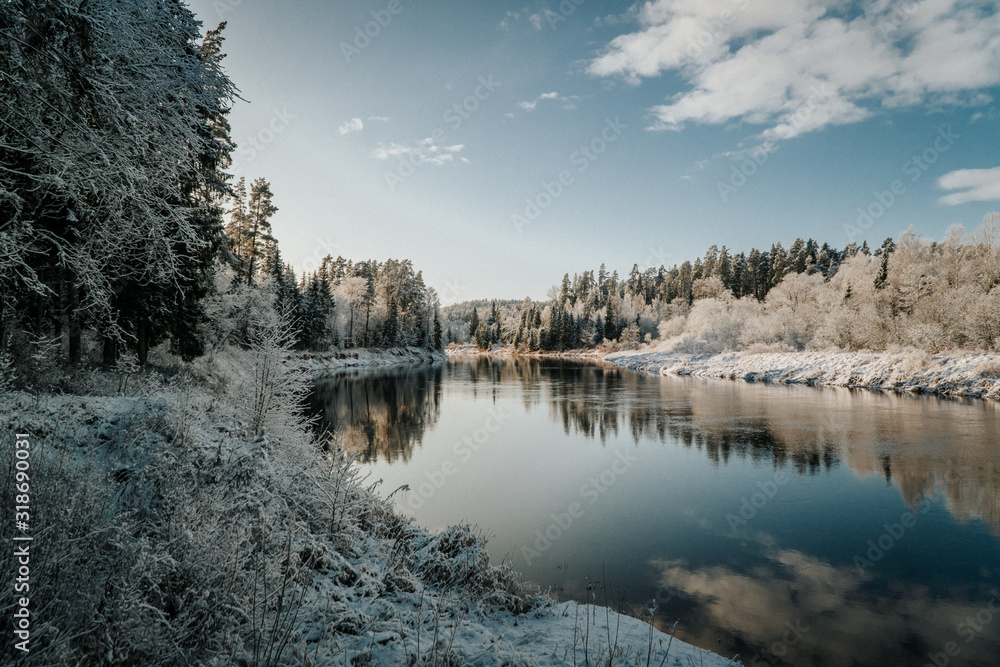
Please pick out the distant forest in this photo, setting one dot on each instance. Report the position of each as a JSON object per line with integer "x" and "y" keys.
{"x": 914, "y": 292}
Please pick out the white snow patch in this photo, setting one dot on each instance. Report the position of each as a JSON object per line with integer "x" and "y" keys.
{"x": 975, "y": 375}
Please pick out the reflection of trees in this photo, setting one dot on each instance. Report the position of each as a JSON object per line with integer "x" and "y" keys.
{"x": 903, "y": 439}
{"x": 380, "y": 414}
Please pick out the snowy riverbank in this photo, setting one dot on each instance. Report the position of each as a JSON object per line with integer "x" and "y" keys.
{"x": 194, "y": 528}
{"x": 509, "y": 352}
{"x": 963, "y": 375}
{"x": 328, "y": 364}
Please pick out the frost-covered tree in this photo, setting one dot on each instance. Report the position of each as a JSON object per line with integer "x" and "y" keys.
{"x": 113, "y": 138}
{"x": 256, "y": 234}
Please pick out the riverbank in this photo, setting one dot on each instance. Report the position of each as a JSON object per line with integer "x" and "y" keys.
{"x": 509, "y": 352}
{"x": 959, "y": 375}
{"x": 321, "y": 365}
{"x": 195, "y": 526}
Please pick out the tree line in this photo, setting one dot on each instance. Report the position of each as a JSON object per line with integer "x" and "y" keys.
{"x": 901, "y": 293}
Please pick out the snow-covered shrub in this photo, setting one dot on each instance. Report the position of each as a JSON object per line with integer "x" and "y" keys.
{"x": 929, "y": 336}
{"x": 913, "y": 361}
{"x": 233, "y": 309}
{"x": 989, "y": 368}
{"x": 711, "y": 327}
{"x": 672, "y": 328}
{"x": 457, "y": 560}
{"x": 272, "y": 384}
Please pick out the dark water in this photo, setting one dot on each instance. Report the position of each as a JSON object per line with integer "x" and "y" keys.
{"x": 790, "y": 525}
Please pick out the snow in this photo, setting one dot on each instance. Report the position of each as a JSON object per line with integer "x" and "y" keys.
{"x": 975, "y": 375}
{"x": 563, "y": 634}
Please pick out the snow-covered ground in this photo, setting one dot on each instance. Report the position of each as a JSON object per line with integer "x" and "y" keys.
{"x": 971, "y": 374}
{"x": 509, "y": 351}
{"x": 169, "y": 529}
{"x": 328, "y": 364}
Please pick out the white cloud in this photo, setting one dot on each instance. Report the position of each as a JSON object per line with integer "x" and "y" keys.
{"x": 536, "y": 21}
{"x": 569, "y": 102}
{"x": 975, "y": 185}
{"x": 762, "y": 62}
{"x": 512, "y": 17}
{"x": 627, "y": 16}
{"x": 380, "y": 119}
{"x": 425, "y": 150}
{"x": 353, "y": 125}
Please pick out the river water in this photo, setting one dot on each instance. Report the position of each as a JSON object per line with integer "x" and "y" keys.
{"x": 789, "y": 525}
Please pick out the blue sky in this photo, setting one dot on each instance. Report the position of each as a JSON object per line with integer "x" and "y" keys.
{"x": 501, "y": 144}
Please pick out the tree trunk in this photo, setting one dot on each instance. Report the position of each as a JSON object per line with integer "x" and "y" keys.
{"x": 368, "y": 314}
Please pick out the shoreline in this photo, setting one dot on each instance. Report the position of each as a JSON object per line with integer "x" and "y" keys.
{"x": 323, "y": 365}
{"x": 952, "y": 375}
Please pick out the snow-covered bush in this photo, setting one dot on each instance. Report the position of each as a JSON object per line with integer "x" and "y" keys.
{"x": 989, "y": 369}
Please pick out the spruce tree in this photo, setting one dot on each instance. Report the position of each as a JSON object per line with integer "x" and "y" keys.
{"x": 257, "y": 234}
{"x": 437, "y": 331}
{"x": 473, "y": 325}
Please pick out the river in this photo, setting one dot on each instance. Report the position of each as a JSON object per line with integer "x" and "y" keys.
{"x": 789, "y": 525}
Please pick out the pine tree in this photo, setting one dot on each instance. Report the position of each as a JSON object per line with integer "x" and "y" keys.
{"x": 257, "y": 233}
{"x": 725, "y": 268}
{"x": 610, "y": 325}
{"x": 437, "y": 331}
{"x": 883, "y": 271}
{"x": 390, "y": 329}
{"x": 473, "y": 324}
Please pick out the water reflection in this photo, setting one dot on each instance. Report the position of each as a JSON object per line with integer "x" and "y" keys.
{"x": 856, "y": 461}
{"x": 379, "y": 414}
{"x": 383, "y": 415}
